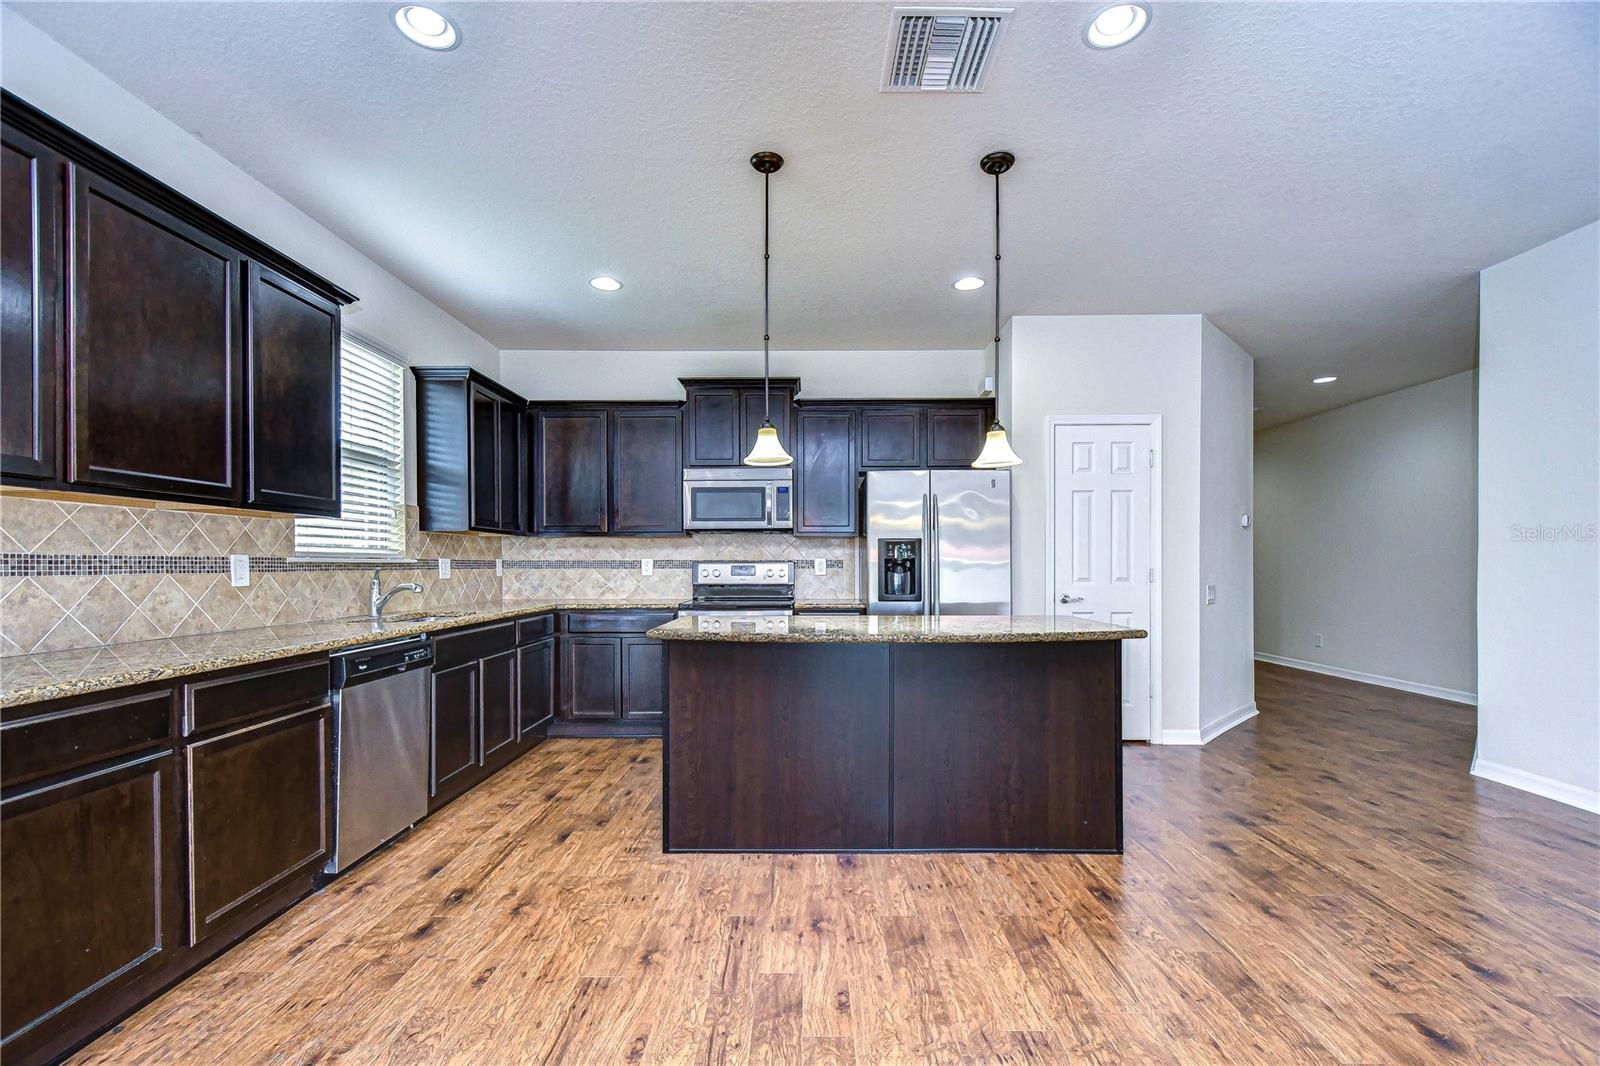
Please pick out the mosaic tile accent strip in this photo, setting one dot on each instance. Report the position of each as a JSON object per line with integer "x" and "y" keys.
{"x": 23, "y": 564}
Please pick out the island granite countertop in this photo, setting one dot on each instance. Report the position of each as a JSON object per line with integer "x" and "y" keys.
{"x": 79, "y": 671}
{"x": 894, "y": 629}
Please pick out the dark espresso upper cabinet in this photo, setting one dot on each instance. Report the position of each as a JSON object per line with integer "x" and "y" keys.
{"x": 571, "y": 448}
{"x": 826, "y": 500}
{"x": 151, "y": 348}
{"x": 154, "y": 349}
{"x": 32, "y": 217}
{"x": 470, "y": 471}
{"x": 955, "y": 434}
{"x": 646, "y": 470}
{"x": 721, "y": 418}
{"x": 891, "y": 437}
{"x": 292, "y": 390}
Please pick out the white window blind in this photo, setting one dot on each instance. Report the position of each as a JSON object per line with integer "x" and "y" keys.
{"x": 371, "y": 523}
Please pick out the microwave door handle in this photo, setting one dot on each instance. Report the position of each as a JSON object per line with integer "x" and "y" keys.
{"x": 772, "y": 503}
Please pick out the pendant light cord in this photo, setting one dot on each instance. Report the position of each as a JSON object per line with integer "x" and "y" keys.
{"x": 766, "y": 297}
{"x": 997, "y": 298}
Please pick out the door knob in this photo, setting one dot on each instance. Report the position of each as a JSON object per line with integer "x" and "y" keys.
{"x": 1071, "y": 599}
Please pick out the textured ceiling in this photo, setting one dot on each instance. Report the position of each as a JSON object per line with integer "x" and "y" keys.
{"x": 1323, "y": 180}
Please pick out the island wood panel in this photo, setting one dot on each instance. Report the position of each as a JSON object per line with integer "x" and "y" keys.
{"x": 778, "y": 747}
{"x": 1008, "y": 746}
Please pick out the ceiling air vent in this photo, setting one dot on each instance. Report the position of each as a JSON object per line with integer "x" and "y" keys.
{"x": 941, "y": 49}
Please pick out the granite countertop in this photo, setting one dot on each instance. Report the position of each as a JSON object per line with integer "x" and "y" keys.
{"x": 51, "y": 675}
{"x": 830, "y": 605}
{"x": 894, "y": 629}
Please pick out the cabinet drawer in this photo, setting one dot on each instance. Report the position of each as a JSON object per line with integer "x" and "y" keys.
{"x": 616, "y": 621}
{"x": 468, "y": 645}
{"x": 531, "y": 629}
{"x": 62, "y": 740}
{"x": 276, "y": 690}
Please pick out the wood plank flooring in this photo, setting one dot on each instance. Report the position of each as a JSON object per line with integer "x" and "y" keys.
{"x": 1323, "y": 884}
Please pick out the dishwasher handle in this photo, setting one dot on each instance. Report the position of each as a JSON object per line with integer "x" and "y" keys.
{"x": 361, "y": 665}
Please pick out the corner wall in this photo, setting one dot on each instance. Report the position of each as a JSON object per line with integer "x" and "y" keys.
{"x": 1366, "y": 533}
{"x": 1539, "y": 520}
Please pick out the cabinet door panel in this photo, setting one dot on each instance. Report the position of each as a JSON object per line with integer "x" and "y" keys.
{"x": 498, "y": 685}
{"x": 891, "y": 437}
{"x": 292, "y": 336}
{"x": 483, "y": 460}
{"x": 508, "y": 466}
{"x": 827, "y": 500}
{"x": 31, "y": 212}
{"x": 955, "y": 435}
{"x": 90, "y": 879}
{"x": 646, "y": 471}
{"x": 753, "y": 407}
{"x": 571, "y": 453}
{"x": 644, "y": 679}
{"x": 591, "y": 678}
{"x": 536, "y": 683}
{"x": 714, "y": 430}
{"x": 258, "y": 813}
{"x": 453, "y": 731}
{"x": 154, "y": 349}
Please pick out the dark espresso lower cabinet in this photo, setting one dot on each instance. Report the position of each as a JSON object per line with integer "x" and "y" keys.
{"x": 613, "y": 677}
{"x": 92, "y": 902}
{"x": 591, "y": 678}
{"x": 536, "y": 684}
{"x": 258, "y": 814}
{"x": 454, "y": 730}
{"x": 644, "y": 679}
{"x": 497, "y": 678}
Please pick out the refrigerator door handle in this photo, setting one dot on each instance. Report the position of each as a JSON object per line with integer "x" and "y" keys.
{"x": 927, "y": 550}
{"x": 933, "y": 545}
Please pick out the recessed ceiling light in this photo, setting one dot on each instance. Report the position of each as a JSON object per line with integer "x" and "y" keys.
{"x": 425, "y": 26}
{"x": 1326, "y": 379}
{"x": 605, "y": 284}
{"x": 968, "y": 283}
{"x": 1116, "y": 25}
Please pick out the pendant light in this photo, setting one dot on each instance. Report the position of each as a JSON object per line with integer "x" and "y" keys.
{"x": 768, "y": 450}
{"x": 997, "y": 453}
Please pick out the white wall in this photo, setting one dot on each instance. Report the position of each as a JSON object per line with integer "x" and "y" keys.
{"x": 1538, "y": 512}
{"x": 1366, "y": 532}
{"x": 653, "y": 375}
{"x": 1227, "y": 629}
{"x": 1113, "y": 364}
{"x": 42, "y": 72}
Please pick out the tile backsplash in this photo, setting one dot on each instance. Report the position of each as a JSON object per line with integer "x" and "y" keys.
{"x": 76, "y": 575}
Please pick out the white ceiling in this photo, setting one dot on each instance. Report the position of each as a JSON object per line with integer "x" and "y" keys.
{"x": 1323, "y": 180}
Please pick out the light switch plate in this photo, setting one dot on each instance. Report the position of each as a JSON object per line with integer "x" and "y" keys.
{"x": 1244, "y": 521}
{"x": 1316, "y": 639}
{"x": 819, "y": 566}
{"x": 1211, "y": 594}
{"x": 647, "y": 566}
{"x": 444, "y": 567}
{"x": 239, "y": 571}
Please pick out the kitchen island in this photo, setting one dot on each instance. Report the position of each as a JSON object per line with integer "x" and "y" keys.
{"x": 886, "y": 733}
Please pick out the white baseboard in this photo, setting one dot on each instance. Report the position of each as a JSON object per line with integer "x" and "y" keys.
{"x": 1451, "y": 694}
{"x": 1548, "y": 787}
{"x": 1212, "y": 731}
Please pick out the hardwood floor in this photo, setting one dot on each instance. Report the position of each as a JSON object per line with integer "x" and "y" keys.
{"x": 1323, "y": 884}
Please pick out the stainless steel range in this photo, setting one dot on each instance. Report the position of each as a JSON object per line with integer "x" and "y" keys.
{"x": 743, "y": 593}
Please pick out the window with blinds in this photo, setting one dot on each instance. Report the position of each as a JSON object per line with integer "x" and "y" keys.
{"x": 371, "y": 523}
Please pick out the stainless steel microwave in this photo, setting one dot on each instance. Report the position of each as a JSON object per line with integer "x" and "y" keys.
{"x": 738, "y": 497}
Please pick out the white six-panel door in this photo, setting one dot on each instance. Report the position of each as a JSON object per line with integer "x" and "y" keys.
{"x": 1102, "y": 550}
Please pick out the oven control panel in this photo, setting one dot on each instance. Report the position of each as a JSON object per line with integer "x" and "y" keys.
{"x": 768, "y": 573}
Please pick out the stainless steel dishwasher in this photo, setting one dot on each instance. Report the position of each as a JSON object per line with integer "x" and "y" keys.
{"x": 380, "y": 751}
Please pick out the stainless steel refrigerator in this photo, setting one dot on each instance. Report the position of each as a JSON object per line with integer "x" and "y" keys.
{"x": 938, "y": 542}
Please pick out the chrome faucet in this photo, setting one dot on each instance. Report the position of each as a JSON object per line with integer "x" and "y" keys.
{"x": 381, "y": 598}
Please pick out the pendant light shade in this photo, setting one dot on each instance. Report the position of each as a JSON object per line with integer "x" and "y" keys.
{"x": 997, "y": 453}
{"x": 768, "y": 449}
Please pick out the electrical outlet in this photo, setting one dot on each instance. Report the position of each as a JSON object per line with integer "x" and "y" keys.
{"x": 1316, "y": 640}
{"x": 499, "y": 567}
{"x": 444, "y": 567}
{"x": 647, "y": 566}
{"x": 819, "y": 566}
{"x": 239, "y": 571}
{"x": 1211, "y": 594}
